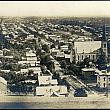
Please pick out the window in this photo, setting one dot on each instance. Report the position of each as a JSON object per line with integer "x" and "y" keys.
{"x": 109, "y": 85}
{"x": 104, "y": 45}
{"x": 82, "y": 57}
{"x": 104, "y": 78}
{"x": 99, "y": 78}
{"x": 78, "y": 57}
{"x": 109, "y": 79}
{"x": 93, "y": 57}
{"x": 104, "y": 84}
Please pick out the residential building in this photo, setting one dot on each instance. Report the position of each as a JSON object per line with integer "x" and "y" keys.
{"x": 31, "y": 57}
{"x": 52, "y": 91}
{"x": 95, "y": 77}
{"x": 49, "y": 87}
{"x": 103, "y": 79}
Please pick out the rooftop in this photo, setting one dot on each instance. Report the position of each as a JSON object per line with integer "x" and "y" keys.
{"x": 87, "y": 46}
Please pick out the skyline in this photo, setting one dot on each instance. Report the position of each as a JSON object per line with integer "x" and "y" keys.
{"x": 55, "y": 8}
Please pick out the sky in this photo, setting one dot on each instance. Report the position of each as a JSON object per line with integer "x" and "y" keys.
{"x": 55, "y": 8}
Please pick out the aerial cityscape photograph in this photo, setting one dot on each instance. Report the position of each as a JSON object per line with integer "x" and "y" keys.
{"x": 54, "y": 54}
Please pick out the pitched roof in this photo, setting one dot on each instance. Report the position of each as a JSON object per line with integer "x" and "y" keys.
{"x": 49, "y": 90}
{"x": 44, "y": 80}
{"x": 2, "y": 80}
{"x": 32, "y": 58}
{"x": 30, "y": 54}
{"x": 87, "y": 47}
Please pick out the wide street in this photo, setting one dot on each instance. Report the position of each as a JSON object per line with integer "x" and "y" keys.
{"x": 28, "y": 102}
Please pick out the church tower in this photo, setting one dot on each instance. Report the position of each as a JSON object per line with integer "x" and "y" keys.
{"x": 104, "y": 42}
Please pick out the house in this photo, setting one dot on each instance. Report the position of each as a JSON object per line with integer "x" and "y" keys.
{"x": 46, "y": 80}
{"x": 103, "y": 79}
{"x": 5, "y": 71}
{"x": 23, "y": 62}
{"x": 54, "y": 51}
{"x": 60, "y": 56}
{"x": 49, "y": 87}
{"x": 51, "y": 91}
{"x": 9, "y": 58}
{"x": 29, "y": 37}
{"x": 87, "y": 49}
{"x": 64, "y": 48}
{"x": 24, "y": 71}
{"x": 30, "y": 81}
{"x": 31, "y": 58}
{"x": 3, "y": 86}
{"x": 57, "y": 65}
{"x": 69, "y": 57}
{"x": 95, "y": 77}
{"x": 1, "y": 53}
{"x": 36, "y": 70}
{"x": 90, "y": 76}
{"x": 6, "y": 52}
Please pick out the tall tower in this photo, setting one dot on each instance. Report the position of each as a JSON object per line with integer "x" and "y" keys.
{"x": 104, "y": 42}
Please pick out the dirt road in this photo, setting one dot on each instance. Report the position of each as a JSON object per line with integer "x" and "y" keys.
{"x": 26, "y": 102}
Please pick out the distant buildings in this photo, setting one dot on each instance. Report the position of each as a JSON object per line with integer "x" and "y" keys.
{"x": 32, "y": 59}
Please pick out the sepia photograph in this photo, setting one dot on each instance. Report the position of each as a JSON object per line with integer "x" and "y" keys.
{"x": 54, "y": 54}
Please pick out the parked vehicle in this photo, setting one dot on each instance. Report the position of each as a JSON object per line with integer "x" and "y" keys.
{"x": 80, "y": 92}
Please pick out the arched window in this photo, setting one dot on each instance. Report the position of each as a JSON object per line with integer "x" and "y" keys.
{"x": 104, "y": 84}
{"x": 78, "y": 57}
{"x": 82, "y": 57}
{"x": 93, "y": 57}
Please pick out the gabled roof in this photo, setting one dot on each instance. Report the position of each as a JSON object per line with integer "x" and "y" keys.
{"x": 44, "y": 80}
{"x": 24, "y": 70}
{"x": 30, "y": 54}
{"x": 87, "y": 46}
{"x": 34, "y": 58}
{"x": 67, "y": 56}
{"x": 50, "y": 90}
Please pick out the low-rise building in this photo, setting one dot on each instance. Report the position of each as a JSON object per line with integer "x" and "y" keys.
{"x": 95, "y": 77}
{"x": 103, "y": 79}
{"x": 3, "y": 86}
{"x": 51, "y": 91}
{"x": 32, "y": 59}
{"x": 46, "y": 80}
{"x": 36, "y": 70}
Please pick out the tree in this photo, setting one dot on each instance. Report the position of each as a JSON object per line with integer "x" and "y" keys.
{"x": 86, "y": 61}
{"x": 0, "y": 46}
{"x": 52, "y": 46}
{"x": 63, "y": 64}
{"x": 45, "y": 48}
{"x": 101, "y": 59}
{"x": 50, "y": 66}
{"x": 74, "y": 69}
{"x": 45, "y": 59}
{"x": 30, "y": 72}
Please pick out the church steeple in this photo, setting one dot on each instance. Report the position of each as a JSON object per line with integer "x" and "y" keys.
{"x": 104, "y": 37}
{"x": 104, "y": 40}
